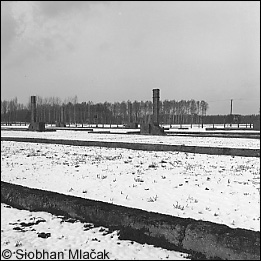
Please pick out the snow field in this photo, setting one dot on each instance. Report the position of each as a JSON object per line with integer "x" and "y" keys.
{"x": 172, "y": 140}
{"x": 24, "y": 231}
{"x": 221, "y": 189}
{"x": 217, "y": 188}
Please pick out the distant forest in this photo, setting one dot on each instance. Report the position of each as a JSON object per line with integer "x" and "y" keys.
{"x": 52, "y": 110}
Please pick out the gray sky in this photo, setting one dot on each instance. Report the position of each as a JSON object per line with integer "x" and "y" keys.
{"x": 115, "y": 51}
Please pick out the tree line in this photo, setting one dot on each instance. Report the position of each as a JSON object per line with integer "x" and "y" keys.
{"x": 70, "y": 111}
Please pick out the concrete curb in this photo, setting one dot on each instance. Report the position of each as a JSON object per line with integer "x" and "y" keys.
{"x": 144, "y": 146}
{"x": 215, "y": 135}
{"x": 200, "y": 238}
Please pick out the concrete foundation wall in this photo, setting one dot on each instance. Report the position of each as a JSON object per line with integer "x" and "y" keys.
{"x": 37, "y": 126}
{"x": 144, "y": 146}
{"x": 151, "y": 128}
{"x": 207, "y": 239}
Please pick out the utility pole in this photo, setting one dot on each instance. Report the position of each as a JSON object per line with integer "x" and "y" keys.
{"x": 231, "y": 107}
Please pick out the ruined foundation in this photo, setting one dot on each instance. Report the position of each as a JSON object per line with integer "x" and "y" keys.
{"x": 143, "y": 146}
{"x": 151, "y": 128}
{"x": 203, "y": 239}
{"x": 36, "y": 126}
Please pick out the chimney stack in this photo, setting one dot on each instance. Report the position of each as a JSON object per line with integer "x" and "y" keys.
{"x": 156, "y": 98}
{"x": 33, "y": 109}
{"x": 35, "y": 125}
{"x": 153, "y": 127}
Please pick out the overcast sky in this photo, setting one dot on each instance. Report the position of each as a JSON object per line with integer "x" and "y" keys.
{"x": 119, "y": 51}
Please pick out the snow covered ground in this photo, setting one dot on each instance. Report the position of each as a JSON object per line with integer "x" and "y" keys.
{"x": 23, "y": 232}
{"x": 217, "y": 188}
{"x": 173, "y": 140}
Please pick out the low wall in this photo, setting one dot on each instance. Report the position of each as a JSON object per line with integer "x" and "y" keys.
{"x": 215, "y": 134}
{"x": 151, "y": 129}
{"x": 144, "y": 146}
{"x": 200, "y": 238}
{"x": 36, "y": 126}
